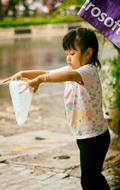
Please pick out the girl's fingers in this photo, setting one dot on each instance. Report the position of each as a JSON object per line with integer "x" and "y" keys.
{"x": 12, "y": 78}
{"x": 24, "y": 78}
{"x": 6, "y": 80}
{"x": 32, "y": 89}
{"x": 9, "y": 79}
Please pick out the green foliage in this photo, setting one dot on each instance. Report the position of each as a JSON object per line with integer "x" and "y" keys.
{"x": 65, "y": 19}
{"x": 73, "y": 2}
{"x": 116, "y": 83}
{"x": 13, "y": 2}
{"x": 68, "y": 3}
{"x": 13, "y": 22}
{"x": 55, "y": 17}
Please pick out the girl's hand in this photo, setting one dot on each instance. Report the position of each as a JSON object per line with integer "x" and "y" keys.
{"x": 34, "y": 84}
{"x": 17, "y": 76}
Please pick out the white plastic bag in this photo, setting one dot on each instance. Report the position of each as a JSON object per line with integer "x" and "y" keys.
{"x": 21, "y": 98}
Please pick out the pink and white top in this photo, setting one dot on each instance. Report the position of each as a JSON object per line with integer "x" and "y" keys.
{"x": 83, "y": 104}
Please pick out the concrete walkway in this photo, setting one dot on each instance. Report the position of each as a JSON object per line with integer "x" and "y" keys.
{"x": 42, "y": 160}
{"x": 39, "y": 160}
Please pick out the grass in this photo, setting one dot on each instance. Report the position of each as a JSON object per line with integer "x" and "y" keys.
{"x": 26, "y": 21}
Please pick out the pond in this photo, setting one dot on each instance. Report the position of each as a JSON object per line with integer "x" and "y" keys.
{"x": 23, "y": 54}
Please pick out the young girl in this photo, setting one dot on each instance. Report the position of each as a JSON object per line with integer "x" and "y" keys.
{"x": 83, "y": 102}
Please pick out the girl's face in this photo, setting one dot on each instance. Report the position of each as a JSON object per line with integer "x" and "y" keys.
{"x": 75, "y": 58}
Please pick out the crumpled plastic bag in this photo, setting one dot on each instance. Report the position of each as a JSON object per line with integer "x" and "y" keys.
{"x": 21, "y": 97}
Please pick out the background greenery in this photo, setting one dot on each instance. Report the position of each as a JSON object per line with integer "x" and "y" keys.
{"x": 57, "y": 14}
{"x": 13, "y": 22}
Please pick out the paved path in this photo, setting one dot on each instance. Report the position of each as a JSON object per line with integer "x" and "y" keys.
{"x": 39, "y": 160}
{"x": 42, "y": 160}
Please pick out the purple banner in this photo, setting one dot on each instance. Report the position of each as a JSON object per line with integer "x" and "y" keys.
{"x": 105, "y": 16}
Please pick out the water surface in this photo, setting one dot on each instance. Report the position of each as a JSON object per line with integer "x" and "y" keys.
{"x": 23, "y": 54}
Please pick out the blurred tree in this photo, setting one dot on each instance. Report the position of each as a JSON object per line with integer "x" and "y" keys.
{"x": 25, "y": 4}
{"x": 65, "y": 5}
{"x": 1, "y": 10}
{"x": 1, "y": 16}
{"x": 9, "y": 8}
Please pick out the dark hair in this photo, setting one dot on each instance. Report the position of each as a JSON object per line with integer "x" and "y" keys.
{"x": 83, "y": 38}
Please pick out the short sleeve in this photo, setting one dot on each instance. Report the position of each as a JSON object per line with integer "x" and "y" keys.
{"x": 88, "y": 74}
{"x": 65, "y": 68}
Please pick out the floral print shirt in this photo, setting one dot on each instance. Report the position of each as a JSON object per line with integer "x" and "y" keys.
{"x": 83, "y": 104}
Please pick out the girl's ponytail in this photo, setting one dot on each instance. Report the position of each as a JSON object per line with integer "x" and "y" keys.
{"x": 87, "y": 38}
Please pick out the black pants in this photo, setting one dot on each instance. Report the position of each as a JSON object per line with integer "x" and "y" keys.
{"x": 92, "y": 155}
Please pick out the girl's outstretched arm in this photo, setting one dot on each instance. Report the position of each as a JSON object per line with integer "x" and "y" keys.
{"x": 28, "y": 74}
{"x": 61, "y": 76}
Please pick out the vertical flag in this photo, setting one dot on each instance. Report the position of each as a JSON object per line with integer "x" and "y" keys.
{"x": 105, "y": 16}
